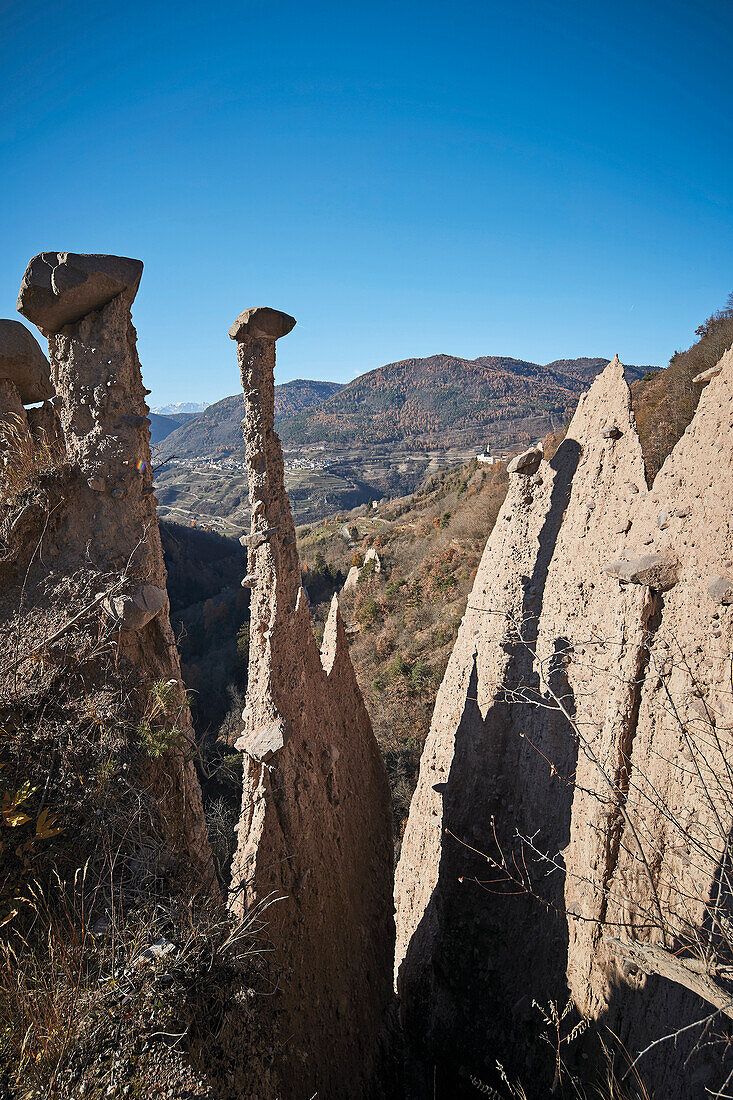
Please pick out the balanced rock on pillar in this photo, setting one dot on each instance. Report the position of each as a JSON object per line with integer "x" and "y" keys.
{"x": 262, "y": 323}
{"x": 108, "y": 523}
{"x": 83, "y": 304}
{"x": 315, "y": 829}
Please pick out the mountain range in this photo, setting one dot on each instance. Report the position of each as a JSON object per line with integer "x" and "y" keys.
{"x": 178, "y": 407}
{"x": 162, "y": 426}
{"x": 441, "y": 399}
{"x": 218, "y": 429}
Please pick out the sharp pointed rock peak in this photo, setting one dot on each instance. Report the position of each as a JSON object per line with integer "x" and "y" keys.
{"x": 583, "y": 712}
{"x": 335, "y": 647}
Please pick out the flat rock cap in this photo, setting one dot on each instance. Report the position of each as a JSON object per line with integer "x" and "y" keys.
{"x": 23, "y": 363}
{"x": 59, "y": 288}
{"x": 263, "y": 323}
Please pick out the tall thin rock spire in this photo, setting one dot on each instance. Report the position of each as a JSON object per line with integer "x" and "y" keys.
{"x": 314, "y": 838}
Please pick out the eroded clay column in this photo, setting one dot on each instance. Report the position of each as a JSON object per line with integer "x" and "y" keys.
{"x": 272, "y": 558}
{"x": 314, "y": 838}
{"x": 82, "y": 304}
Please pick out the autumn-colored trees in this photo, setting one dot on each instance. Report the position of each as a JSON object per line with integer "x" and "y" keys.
{"x": 665, "y": 401}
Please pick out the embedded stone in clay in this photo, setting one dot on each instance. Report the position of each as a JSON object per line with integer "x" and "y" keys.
{"x": 654, "y": 570}
{"x": 527, "y": 462}
{"x": 720, "y": 589}
{"x": 707, "y": 375}
{"x": 135, "y": 611}
{"x": 263, "y": 742}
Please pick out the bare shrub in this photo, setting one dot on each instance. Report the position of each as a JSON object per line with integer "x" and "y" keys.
{"x": 681, "y": 927}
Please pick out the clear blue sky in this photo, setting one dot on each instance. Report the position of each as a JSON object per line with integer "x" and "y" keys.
{"x": 533, "y": 179}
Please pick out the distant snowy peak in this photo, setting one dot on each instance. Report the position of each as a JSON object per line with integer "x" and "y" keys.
{"x": 180, "y": 407}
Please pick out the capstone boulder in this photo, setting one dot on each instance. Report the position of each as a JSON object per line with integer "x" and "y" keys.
{"x": 59, "y": 288}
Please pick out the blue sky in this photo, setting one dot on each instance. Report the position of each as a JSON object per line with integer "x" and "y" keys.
{"x": 535, "y": 179}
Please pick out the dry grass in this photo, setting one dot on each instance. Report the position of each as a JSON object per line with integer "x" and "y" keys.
{"x": 25, "y": 457}
{"x": 96, "y": 984}
{"x": 114, "y": 968}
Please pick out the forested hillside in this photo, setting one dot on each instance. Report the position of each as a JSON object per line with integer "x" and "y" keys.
{"x": 161, "y": 425}
{"x": 404, "y": 618}
{"x": 446, "y": 398}
{"x": 665, "y": 401}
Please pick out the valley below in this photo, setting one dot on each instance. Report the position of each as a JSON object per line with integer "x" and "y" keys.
{"x": 378, "y": 437}
{"x": 320, "y": 481}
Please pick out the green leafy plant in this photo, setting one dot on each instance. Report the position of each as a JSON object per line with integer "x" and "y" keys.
{"x": 367, "y": 571}
{"x": 393, "y": 587}
{"x": 157, "y": 731}
{"x": 370, "y": 613}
